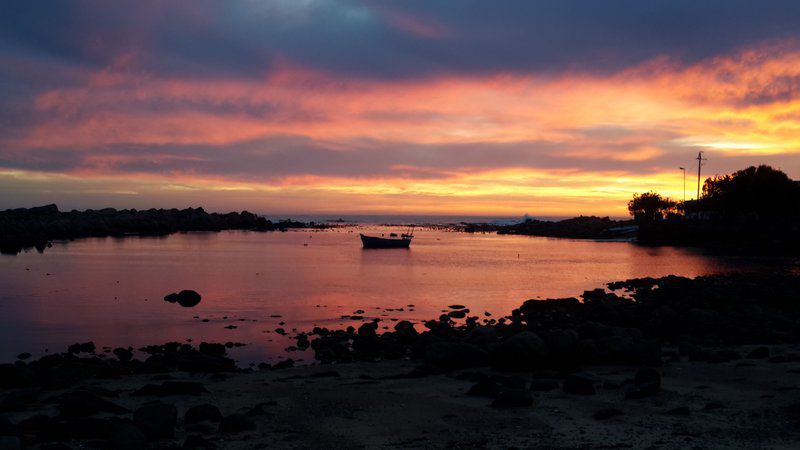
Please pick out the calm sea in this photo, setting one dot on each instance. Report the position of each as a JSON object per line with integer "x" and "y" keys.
{"x": 110, "y": 290}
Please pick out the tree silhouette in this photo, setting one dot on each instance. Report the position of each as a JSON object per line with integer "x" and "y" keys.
{"x": 755, "y": 192}
{"x": 650, "y": 206}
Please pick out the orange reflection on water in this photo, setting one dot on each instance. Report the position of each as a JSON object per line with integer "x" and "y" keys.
{"x": 110, "y": 290}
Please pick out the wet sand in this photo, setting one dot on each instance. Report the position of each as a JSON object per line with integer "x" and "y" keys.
{"x": 744, "y": 403}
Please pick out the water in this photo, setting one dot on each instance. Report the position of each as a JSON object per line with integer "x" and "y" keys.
{"x": 110, "y": 290}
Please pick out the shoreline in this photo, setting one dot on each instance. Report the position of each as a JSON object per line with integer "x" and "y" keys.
{"x": 669, "y": 362}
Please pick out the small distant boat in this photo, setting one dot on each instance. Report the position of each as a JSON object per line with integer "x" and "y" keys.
{"x": 404, "y": 241}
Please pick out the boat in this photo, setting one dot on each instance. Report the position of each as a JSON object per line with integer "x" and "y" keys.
{"x": 404, "y": 241}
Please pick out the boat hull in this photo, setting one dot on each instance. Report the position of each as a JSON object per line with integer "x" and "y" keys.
{"x": 377, "y": 242}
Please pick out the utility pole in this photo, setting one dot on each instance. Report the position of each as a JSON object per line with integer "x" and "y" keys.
{"x": 700, "y": 160}
{"x": 683, "y": 169}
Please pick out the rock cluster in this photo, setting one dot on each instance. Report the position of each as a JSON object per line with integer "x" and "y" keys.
{"x": 626, "y": 324}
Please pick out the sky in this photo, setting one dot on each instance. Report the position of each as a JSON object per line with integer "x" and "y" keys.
{"x": 501, "y": 107}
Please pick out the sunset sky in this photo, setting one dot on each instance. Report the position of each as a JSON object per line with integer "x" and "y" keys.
{"x": 436, "y": 107}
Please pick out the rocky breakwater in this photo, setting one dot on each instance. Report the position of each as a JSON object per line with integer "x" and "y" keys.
{"x": 36, "y": 227}
{"x": 638, "y": 323}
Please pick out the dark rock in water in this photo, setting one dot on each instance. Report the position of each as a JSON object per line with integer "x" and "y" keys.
{"x": 86, "y": 347}
{"x": 543, "y": 384}
{"x": 457, "y": 314}
{"x": 522, "y": 351}
{"x": 81, "y": 403}
{"x": 456, "y": 306}
{"x": 171, "y": 388}
{"x": 285, "y": 364}
{"x": 513, "y": 398}
{"x": 23, "y": 356}
{"x": 200, "y": 413}
{"x": 156, "y": 420}
{"x": 186, "y": 298}
{"x": 124, "y": 355}
{"x": 759, "y": 353}
{"x": 125, "y": 436}
{"x": 606, "y": 413}
{"x": 455, "y": 355}
{"x": 212, "y": 349}
{"x": 646, "y": 383}
{"x": 579, "y": 384}
{"x": 197, "y": 442}
{"x": 236, "y": 423}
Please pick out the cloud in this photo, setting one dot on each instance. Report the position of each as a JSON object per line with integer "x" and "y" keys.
{"x": 474, "y": 105}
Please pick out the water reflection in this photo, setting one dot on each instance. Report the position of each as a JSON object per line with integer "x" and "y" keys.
{"x": 110, "y": 290}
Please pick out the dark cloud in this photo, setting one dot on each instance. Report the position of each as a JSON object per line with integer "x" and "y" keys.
{"x": 245, "y": 38}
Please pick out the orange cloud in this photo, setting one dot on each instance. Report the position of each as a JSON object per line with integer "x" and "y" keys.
{"x": 648, "y": 120}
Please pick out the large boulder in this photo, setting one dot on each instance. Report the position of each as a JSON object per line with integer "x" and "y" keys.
{"x": 455, "y": 355}
{"x": 522, "y": 351}
{"x": 647, "y": 382}
{"x": 156, "y": 420}
{"x": 200, "y": 413}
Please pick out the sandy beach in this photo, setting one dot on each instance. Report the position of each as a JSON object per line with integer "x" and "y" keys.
{"x": 747, "y": 403}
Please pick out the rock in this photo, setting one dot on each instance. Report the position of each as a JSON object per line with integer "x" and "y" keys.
{"x": 759, "y": 353}
{"x": 285, "y": 364}
{"x": 39, "y": 425}
{"x": 647, "y": 382}
{"x": 456, "y": 306}
{"x": 325, "y": 374}
{"x": 606, "y": 413}
{"x": 522, "y": 351}
{"x": 10, "y": 443}
{"x": 236, "y": 423}
{"x": 579, "y": 384}
{"x": 6, "y": 427}
{"x": 482, "y": 336}
{"x": 484, "y": 388}
{"x": 197, "y": 442}
{"x": 539, "y": 385}
{"x": 513, "y": 398}
{"x": 171, "y": 388}
{"x": 455, "y": 355}
{"x": 200, "y": 413}
{"x": 81, "y": 428}
{"x": 19, "y": 400}
{"x": 23, "y": 356}
{"x": 679, "y": 411}
{"x": 125, "y": 436}
{"x": 124, "y": 355}
{"x": 457, "y": 314}
{"x": 81, "y": 403}
{"x": 156, "y": 420}
{"x": 185, "y": 298}
{"x": 86, "y": 347}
